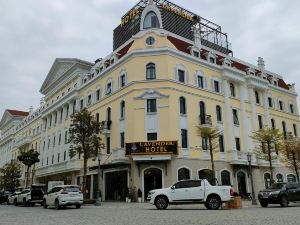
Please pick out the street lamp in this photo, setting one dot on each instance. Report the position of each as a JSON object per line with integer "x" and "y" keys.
{"x": 98, "y": 200}
{"x": 249, "y": 157}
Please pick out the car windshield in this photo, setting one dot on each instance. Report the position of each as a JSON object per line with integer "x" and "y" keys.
{"x": 277, "y": 186}
{"x": 72, "y": 189}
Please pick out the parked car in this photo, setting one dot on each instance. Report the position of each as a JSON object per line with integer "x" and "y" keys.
{"x": 65, "y": 195}
{"x": 4, "y": 196}
{"x": 280, "y": 193}
{"x": 28, "y": 197}
{"x": 11, "y": 199}
{"x": 191, "y": 192}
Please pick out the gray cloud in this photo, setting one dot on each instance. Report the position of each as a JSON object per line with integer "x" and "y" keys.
{"x": 34, "y": 33}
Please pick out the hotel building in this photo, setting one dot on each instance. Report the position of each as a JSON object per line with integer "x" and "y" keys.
{"x": 170, "y": 72}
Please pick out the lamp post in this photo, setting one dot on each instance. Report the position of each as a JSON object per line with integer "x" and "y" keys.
{"x": 98, "y": 200}
{"x": 249, "y": 157}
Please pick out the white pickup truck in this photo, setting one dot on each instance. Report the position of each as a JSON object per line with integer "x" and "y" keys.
{"x": 191, "y": 192}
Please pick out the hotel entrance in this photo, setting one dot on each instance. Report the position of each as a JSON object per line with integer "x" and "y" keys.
{"x": 152, "y": 180}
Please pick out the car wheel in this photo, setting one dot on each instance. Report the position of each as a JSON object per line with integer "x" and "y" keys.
{"x": 161, "y": 202}
{"x": 44, "y": 204}
{"x": 78, "y": 206}
{"x": 57, "y": 204}
{"x": 24, "y": 202}
{"x": 15, "y": 202}
{"x": 264, "y": 204}
{"x": 284, "y": 201}
{"x": 213, "y": 202}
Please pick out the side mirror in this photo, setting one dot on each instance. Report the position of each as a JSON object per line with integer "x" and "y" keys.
{"x": 173, "y": 187}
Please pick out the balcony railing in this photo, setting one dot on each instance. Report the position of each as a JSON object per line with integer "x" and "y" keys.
{"x": 67, "y": 166}
{"x": 106, "y": 126}
{"x": 23, "y": 141}
{"x": 205, "y": 121}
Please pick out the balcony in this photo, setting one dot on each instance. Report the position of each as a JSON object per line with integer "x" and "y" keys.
{"x": 23, "y": 141}
{"x": 106, "y": 126}
{"x": 68, "y": 166}
{"x": 205, "y": 121}
{"x": 118, "y": 155}
{"x": 240, "y": 158}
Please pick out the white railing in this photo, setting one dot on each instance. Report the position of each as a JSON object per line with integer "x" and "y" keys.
{"x": 73, "y": 165}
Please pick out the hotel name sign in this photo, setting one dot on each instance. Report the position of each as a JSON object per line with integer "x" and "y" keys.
{"x": 135, "y": 12}
{"x": 152, "y": 148}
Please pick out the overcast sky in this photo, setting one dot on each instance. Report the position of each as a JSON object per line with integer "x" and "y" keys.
{"x": 33, "y": 33}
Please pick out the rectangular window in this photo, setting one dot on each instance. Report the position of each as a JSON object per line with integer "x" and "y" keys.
{"x": 48, "y": 143}
{"x": 151, "y": 136}
{"x": 216, "y": 86}
{"x": 55, "y": 120}
{"x": 108, "y": 145}
{"x": 61, "y": 114}
{"x": 59, "y": 139}
{"x": 235, "y": 117}
{"x": 122, "y": 140}
{"x": 122, "y": 80}
{"x": 211, "y": 59}
{"x": 270, "y": 102}
{"x": 66, "y": 137}
{"x": 281, "y": 105}
{"x": 292, "y": 108}
{"x": 260, "y": 122}
{"x": 273, "y": 123}
{"x": 58, "y": 156}
{"x": 67, "y": 111}
{"x": 151, "y": 106}
{"x": 89, "y": 100}
{"x": 81, "y": 104}
{"x": 200, "y": 82}
{"x": 65, "y": 155}
{"x": 53, "y": 142}
{"x": 237, "y": 144}
{"x": 221, "y": 143}
{"x": 196, "y": 54}
{"x": 204, "y": 143}
{"x": 184, "y": 138}
{"x": 181, "y": 76}
{"x": 98, "y": 95}
{"x": 74, "y": 106}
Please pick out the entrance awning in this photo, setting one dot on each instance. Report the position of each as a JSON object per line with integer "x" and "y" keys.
{"x": 151, "y": 158}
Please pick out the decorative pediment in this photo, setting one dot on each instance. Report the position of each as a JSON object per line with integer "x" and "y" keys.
{"x": 151, "y": 94}
{"x": 60, "y": 70}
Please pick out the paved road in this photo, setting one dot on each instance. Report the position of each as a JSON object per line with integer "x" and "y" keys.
{"x": 144, "y": 214}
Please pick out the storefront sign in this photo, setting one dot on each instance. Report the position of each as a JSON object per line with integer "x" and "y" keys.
{"x": 131, "y": 15}
{"x": 152, "y": 148}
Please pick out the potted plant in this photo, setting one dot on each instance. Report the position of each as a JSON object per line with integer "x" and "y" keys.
{"x": 140, "y": 194}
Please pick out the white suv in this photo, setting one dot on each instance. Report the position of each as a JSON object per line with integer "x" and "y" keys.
{"x": 65, "y": 195}
{"x": 191, "y": 192}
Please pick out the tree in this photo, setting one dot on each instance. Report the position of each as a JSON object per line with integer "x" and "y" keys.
{"x": 10, "y": 175}
{"x": 84, "y": 138}
{"x": 269, "y": 144}
{"x": 291, "y": 153}
{"x": 212, "y": 134}
{"x": 28, "y": 158}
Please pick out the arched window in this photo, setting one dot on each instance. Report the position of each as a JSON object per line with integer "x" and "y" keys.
{"x": 184, "y": 174}
{"x": 151, "y": 20}
{"x": 225, "y": 178}
{"x": 202, "y": 112}
{"x": 206, "y": 174}
{"x": 279, "y": 178}
{"x": 257, "y": 100}
{"x": 267, "y": 179}
{"x": 291, "y": 178}
{"x": 182, "y": 105}
{"x": 122, "y": 110}
{"x": 219, "y": 113}
{"x": 150, "y": 71}
{"x": 232, "y": 90}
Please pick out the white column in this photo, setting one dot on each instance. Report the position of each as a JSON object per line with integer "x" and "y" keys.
{"x": 253, "y": 108}
{"x": 266, "y": 107}
{"x": 229, "y": 118}
{"x": 246, "y": 128}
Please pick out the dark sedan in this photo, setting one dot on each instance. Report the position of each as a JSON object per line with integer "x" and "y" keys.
{"x": 280, "y": 193}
